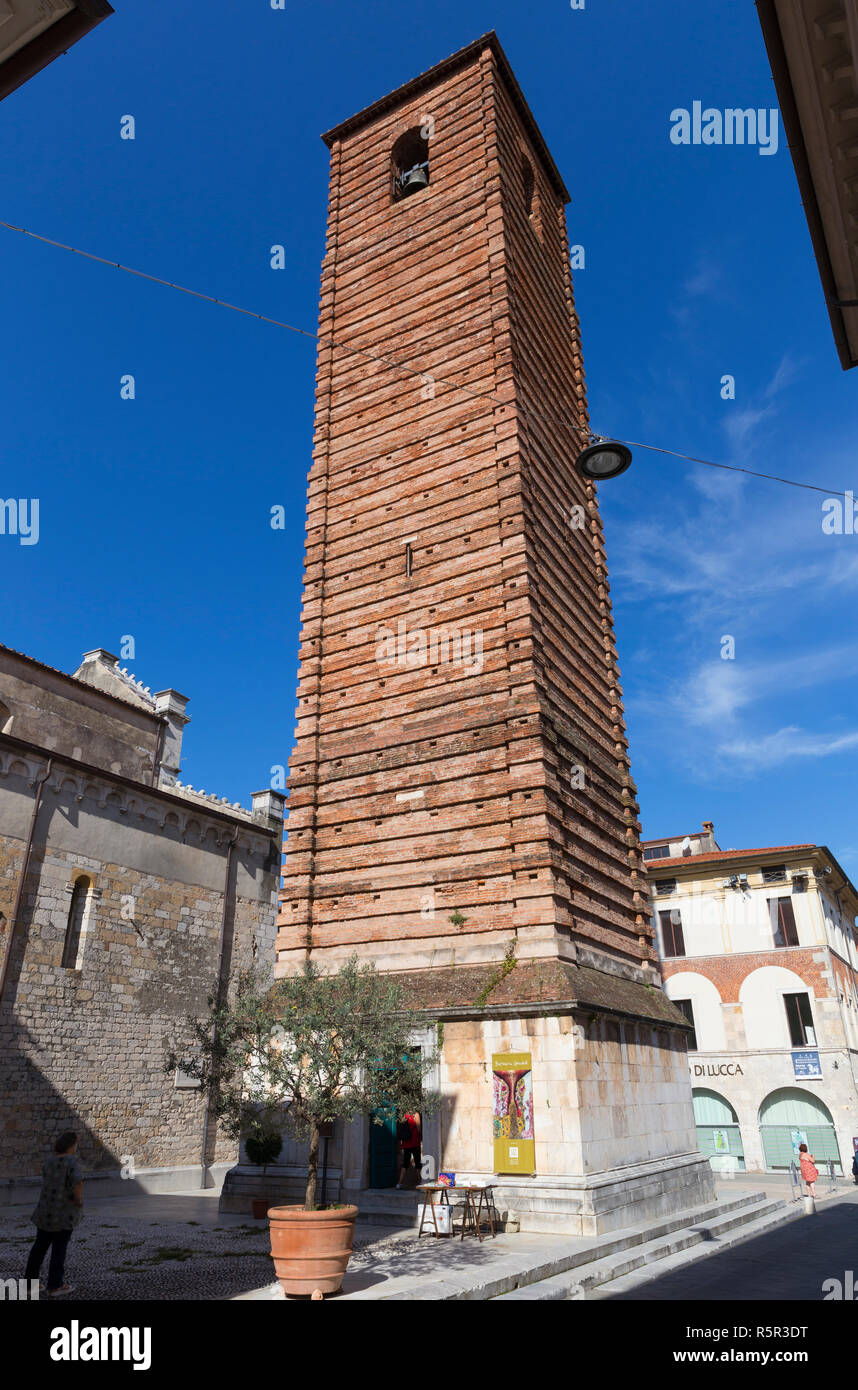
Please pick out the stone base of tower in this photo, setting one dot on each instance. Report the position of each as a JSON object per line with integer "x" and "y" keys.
{"x": 614, "y": 1138}
{"x": 605, "y": 1202}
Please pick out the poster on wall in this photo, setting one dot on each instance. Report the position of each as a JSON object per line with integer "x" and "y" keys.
{"x": 512, "y": 1112}
{"x": 806, "y": 1064}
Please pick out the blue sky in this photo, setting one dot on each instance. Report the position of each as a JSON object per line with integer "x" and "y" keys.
{"x": 154, "y": 513}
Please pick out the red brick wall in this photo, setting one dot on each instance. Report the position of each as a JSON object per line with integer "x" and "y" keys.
{"x": 728, "y": 973}
{"x": 459, "y": 282}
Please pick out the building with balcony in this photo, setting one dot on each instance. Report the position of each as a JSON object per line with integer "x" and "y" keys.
{"x": 758, "y": 949}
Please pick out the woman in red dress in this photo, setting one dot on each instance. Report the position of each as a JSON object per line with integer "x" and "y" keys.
{"x": 809, "y": 1170}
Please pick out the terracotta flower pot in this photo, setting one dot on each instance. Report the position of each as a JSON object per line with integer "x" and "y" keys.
{"x": 311, "y": 1249}
{"x": 260, "y": 1207}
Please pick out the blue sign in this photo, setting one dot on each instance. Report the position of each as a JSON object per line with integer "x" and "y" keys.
{"x": 806, "y": 1064}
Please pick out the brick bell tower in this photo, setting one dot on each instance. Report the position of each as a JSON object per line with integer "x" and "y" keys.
{"x": 461, "y": 807}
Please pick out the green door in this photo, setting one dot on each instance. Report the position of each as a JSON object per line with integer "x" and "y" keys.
{"x": 382, "y": 1150}
{"x": 383, "y": 1143}
{"x": 718, "y": 1133}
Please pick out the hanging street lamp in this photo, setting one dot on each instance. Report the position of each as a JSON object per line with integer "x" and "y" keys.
{"x": 604, "y": 458}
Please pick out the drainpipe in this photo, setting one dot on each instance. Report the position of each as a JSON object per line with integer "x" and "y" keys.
{"x": 159, "y": 753}
{"x": 19, "y": 896}
{"x": 218, "y": 990}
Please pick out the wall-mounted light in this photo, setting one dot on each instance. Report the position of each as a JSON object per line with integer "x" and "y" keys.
{"x": 604, "y": 458}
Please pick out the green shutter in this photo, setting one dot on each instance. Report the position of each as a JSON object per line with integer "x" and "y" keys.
{"x": 710, "y": 1108}
{"x": 779, "y": 1152}
{"x": 794, "y": 1107}
{"x": 706, "y": 1135}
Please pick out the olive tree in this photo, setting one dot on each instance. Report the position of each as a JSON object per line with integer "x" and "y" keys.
{"x": 315, "y": 1047}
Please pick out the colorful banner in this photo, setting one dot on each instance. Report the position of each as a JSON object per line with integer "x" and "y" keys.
{"x": 512, "y": 1113}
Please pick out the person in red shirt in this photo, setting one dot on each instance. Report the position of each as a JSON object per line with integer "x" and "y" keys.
{"x": 411, "y": 1130}
{"x": 809, "y": 1170}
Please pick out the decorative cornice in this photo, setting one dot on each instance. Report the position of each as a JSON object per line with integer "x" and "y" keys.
{"x": 133, "y": 799}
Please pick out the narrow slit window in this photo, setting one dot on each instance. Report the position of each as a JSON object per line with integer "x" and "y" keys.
{"x": 532, "y": 210}
{"x": 529, "y": 186}
{"x": 75, "y": 923}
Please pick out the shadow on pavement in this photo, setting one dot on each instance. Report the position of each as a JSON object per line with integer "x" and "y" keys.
{"x": 791, "y": 1262}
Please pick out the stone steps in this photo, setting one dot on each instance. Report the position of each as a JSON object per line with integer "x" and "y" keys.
{"x": 520, "y": 1270}
{"x": 624, "y": 1271}
{"x": 386, "y": 1206}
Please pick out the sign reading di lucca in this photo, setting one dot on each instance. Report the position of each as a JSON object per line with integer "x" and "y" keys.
{"x": 512, "y": 1112}
{"x": 716, "y": 1069}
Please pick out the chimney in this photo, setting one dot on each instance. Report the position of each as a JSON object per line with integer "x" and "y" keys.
{"x": 268, "y": 807}
{"x": 99, "y": 654}
{"x": 171, "y": 707}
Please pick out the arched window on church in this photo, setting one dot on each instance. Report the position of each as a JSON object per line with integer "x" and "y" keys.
{"x": 5, "y": 719}
{"x": 72, "y": 948}
{"x": 409, "y": 163}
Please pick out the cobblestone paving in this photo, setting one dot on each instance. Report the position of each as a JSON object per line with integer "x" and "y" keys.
{"x": 113, "y": 1255}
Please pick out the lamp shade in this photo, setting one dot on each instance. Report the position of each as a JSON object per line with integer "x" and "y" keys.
{"x": 605, "y": 459}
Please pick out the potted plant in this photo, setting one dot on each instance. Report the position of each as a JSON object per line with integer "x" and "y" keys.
{"x": 262, "y": 1146}
{"x": 316, "y": 1048}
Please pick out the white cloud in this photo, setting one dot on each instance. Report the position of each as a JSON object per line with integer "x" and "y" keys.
{"x": 718, "y": 689}
{"x": 784, "y": 745}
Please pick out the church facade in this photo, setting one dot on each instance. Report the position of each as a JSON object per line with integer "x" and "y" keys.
{"x": 125, "y": 897}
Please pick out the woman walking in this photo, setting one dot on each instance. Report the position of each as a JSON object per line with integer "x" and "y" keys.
{"x": 809, "y": 1170}
{"x": 58, "y": 1210}
{"x": 410, "y": 1136}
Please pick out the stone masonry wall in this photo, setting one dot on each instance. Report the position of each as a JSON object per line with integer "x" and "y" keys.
{"x": 605, "y": 1094}
{"x": 83, "y": 1047}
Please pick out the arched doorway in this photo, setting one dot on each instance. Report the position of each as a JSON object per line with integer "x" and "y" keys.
{"x": 718, "y": 1133}
{"x": 792, "y": 1111}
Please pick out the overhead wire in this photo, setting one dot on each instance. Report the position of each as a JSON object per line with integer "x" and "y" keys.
{"x": 408, "y": 369}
